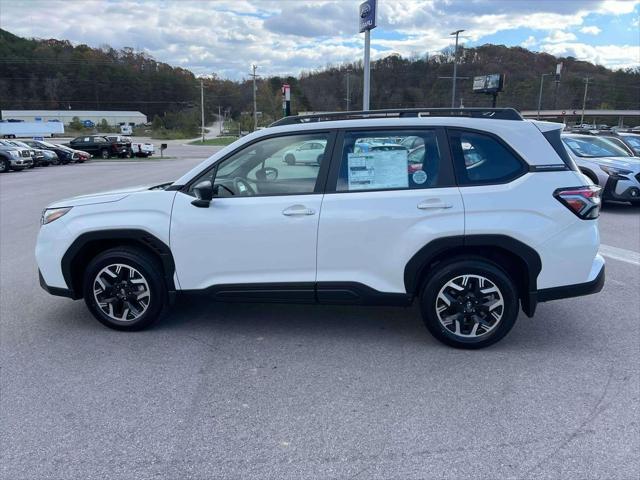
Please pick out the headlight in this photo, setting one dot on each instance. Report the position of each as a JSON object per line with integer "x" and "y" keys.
{"x": 14, "y": 153}
{"x": 51, "y": 214}
{"x": 615, "y": 172}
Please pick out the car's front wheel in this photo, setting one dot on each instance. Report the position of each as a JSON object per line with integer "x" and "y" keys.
{"x": 105, "y": 154}
{"x": 469, "y": 302}
{"x": 290, "y": 159}
{"x": 124, "y": 289}
{"x": 5, "y": 165}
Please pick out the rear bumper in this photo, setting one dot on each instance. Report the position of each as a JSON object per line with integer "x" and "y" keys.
{"x": 568, "y": 291}
{"x": 565, "y": 291}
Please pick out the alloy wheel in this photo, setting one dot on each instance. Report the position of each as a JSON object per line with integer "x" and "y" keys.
{"x": 469, "y": 306}
{"x": 121, "y": 292}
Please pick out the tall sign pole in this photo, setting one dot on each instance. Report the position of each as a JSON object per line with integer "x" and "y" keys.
{"x": 286, "y": 99}
{"x": 367, "y": 22}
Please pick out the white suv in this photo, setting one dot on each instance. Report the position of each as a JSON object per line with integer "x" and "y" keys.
{"x": 471, "y": 239}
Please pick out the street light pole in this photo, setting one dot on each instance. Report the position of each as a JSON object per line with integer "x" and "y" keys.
{"x": 455, "y": 68}
{"x": 255, "y": 108}
{"x": 540, "y": 94}
{"x": 202, "y": 107}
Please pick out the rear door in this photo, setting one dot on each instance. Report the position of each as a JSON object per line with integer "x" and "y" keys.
{"x": 379, "y": 209}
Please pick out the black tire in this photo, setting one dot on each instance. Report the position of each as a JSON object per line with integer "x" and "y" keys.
{"x": 33, "y": 165}
{"x": 289, "y": 159}
{"x": 5, "y": 165}
{"x": 635, "y": 203}
{"x": 475, "y": 267}
{"x": 150, "y": 270}
{"x": 104, "y": 154}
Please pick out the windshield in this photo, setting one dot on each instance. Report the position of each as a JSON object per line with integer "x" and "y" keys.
{"x": 591, "y": 147}
{"x": 47, "y": 144}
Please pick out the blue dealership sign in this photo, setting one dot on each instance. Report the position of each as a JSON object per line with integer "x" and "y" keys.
{"x": 367, "y": 12}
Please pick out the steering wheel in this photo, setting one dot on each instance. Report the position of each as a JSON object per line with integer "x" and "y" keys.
{"x": 242, "y": 187}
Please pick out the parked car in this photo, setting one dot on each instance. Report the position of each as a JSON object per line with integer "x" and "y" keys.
{"x": 631, "y": 140}
{"x": 471, "y": 244}
{"x": 38, "y": 155}
{"x": 126, "y": 141}
{"x": 63, "y": 155}
{"x": 143, "y": 149}
{"x": 607, "y": 165}
{"x": 99, "y": 146}
{"x": 13, "y": 158}
{"x": 309, "y": 153}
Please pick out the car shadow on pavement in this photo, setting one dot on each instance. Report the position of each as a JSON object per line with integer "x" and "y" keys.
{"x": 620, "y": 208}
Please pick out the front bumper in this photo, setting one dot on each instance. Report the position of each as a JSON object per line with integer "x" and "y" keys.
{"x": 60, "y": 292}
{"x": 624, "y": 189}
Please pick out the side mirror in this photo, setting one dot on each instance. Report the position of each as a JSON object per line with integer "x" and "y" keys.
{"x": 267, "y": 174}
{"x": 204, "y": 194}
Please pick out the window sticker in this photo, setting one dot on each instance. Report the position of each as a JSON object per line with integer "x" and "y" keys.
{"x": 378, "y": 170}
{"x": 419, "y": 177}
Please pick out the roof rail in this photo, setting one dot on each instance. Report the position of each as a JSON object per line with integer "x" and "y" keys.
{"x": 491, "y": 113}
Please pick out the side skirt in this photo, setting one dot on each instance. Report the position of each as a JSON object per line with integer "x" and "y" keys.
{"x": 327, "y": 293}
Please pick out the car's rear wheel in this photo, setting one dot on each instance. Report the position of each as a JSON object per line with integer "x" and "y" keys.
{"x": 290, "y": 159}
{"x": 104, "y": 154}
{"x": 124, "y": 289}
{"x": 469, "y": 302}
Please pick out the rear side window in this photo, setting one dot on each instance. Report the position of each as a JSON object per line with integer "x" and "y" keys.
{"x": 389, "y": 160}
{"x": 482, "y": 159}
{"x": 555, "y": 140}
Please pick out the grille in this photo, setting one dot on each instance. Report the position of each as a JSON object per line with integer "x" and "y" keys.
{"x": 25, "y": 153}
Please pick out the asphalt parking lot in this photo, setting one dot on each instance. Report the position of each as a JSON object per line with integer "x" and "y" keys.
{"x": 291, "y": 391}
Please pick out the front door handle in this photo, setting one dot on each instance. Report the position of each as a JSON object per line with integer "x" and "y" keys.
{"x": 433, "y": 204}
{"x": 297, "y": 210}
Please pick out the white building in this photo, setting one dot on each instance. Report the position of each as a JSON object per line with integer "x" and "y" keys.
{"x": 113, "y": 117}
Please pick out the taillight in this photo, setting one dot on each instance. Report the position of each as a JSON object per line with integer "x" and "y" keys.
{"x": 583, "y": 201}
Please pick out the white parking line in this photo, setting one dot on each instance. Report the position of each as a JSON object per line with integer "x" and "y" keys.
{"x": 622, "y": 254}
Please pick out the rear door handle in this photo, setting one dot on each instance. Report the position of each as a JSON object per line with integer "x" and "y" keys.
{"x": 297, "y": 210}
{"x": 433, "y": 204}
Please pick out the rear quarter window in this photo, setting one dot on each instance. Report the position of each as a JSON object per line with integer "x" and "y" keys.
{"x": 482, "y": 159}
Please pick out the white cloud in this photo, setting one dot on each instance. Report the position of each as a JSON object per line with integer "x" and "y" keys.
{"x": 591, "y": 30}
{"x": 559, "y": 36}
{"x": 286, "y": 36}
{"x": 615, "y": 56}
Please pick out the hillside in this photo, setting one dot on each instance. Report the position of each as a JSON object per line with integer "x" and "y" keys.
{"x": 55, "y": 74}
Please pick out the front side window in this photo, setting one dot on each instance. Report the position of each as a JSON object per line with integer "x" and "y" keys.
{"x": 393, "y": 160}
{"x": 284, "y": 165}
{"x": 482, "y": 159}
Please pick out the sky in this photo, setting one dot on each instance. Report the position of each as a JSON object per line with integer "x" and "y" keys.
{"x": 284, "y": 37}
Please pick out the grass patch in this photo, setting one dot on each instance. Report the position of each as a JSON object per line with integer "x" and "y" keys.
{"x": 219, "y": 141}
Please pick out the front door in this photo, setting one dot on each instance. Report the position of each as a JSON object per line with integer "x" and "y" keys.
{"x": 259, "y": 234}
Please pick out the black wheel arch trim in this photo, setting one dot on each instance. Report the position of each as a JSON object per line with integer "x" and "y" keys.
{"x": 417, "y": 266}
{"x": 141, "y": 237}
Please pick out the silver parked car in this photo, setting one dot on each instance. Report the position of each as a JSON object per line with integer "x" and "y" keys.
{"x": 607, "y": 165}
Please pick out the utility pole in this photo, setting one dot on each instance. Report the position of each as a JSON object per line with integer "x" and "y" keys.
{"x": 584, "y": 99}
{"x": 540, "y": 94}
{"x": 348, "y": 90}
{"x": 455, "y": 68}
{"x": 255, "y": 108}
{"x": 220, "y": 120}
{"x": 202, "y": 107}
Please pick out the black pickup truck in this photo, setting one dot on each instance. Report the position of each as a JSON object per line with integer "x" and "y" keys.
{"x": 101, "y": 146}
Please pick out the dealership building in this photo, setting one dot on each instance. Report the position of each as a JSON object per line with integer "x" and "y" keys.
{"x": 113, "y": 117}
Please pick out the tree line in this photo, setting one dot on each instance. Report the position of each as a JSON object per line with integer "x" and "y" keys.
{"x": 54, "y": 74}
